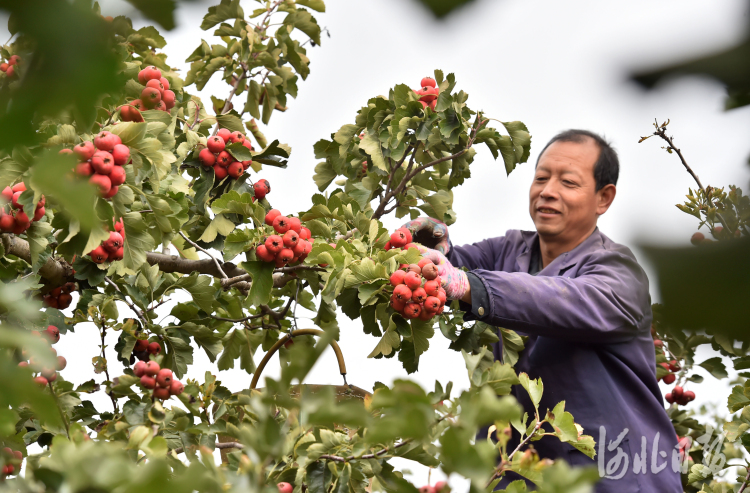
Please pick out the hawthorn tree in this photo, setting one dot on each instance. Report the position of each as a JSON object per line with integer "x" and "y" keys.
{"x": 96, "y": 182}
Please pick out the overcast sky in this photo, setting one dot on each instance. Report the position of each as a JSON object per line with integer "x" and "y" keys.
{"x": 553, "y": 65}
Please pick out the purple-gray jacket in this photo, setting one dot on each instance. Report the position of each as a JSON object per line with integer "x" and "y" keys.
{"x": 588, "y": 318}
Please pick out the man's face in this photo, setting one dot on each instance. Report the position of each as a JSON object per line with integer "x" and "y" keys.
{"x": 563, "y": 201}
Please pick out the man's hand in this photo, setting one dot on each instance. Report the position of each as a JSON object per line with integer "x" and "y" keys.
{"x": 430, "y": 233}
{"x": 454, "y": 281}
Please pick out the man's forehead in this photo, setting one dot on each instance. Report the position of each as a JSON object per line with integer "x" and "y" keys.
{"x": 569, "y": 157}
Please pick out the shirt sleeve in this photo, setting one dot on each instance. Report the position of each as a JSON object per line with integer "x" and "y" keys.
{"x": 605, "y": 303}
{"x": 479, "y": 299}
{"x": 480, "y": 255}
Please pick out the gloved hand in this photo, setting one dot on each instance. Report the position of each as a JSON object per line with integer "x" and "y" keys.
{"x": 454, "y": 280}
{"x": 430, "y": 233}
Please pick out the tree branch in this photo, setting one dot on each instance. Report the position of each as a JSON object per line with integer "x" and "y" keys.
{"x": 56, "y": 271}
{"x": 218, "y": 266}
{"x": 131, "y": 305}
{"x": 219, "y": 446}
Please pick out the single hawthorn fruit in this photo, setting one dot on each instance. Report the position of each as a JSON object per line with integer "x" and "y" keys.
{"x": 102, "y": 182}
{"x": 428, "y": 82}
{"x": 216, "y": 144}
{"x": 274, "y": 244}
{"x": 150, "y": 97}
{"x": 225, "y": 134}
{"x": 285, "y": 255}
{"x": 168, "y": 98}
{"x": 113, "y": 243}
{"x": 41, "y": 381}
{"x": 121, "y": 154}
{"x": 176, "y": 387}
{"x": 677, "y": 391}
{"x": 117, "y": 176}
{"x": 52, "y": 334}
{"x": 61, "y": 363}
{"x": 260, "y": 189}
{"x": 152, "y": 368}
{"x": 139, "y": 369}
{"x": 281, "y": 224}
{"x": 224, "y": 159}
{"x": 290, "y": 238}
{"x": 419, "y": 295}
{"x": 161, "y": 393}
{"x": 164, "y": 377}
{"x": 697, "y": 238}
{"x": 99, "y": 255}
{"x": 263, "y": 254}
{"x": 398, "y": 239}
{"x": 397, "y": 278}
{"x": 271, "y": 215}
{"x": 412, "y": 280}
{"x": 235, "y": 170}
{"x": 220, "y": 171}
{"x": 148, "y": 381}
{"x": 117, "y": 255}
{"x": 402, "y": 293}
{"x": 669, "y": 379}
{"x": 154, "y": 348}
{"x": 285, "y": 487}
{"x": 295, "y": 224}
{"x": 206, "y": 157}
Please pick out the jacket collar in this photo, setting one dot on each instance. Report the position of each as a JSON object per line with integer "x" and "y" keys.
{"x": 565, "y": 260}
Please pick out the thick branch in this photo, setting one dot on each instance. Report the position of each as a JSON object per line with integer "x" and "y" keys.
{"x": 57, "y": 272}
{"x": 375, "y": 455}
{"x": 175, "y": 263}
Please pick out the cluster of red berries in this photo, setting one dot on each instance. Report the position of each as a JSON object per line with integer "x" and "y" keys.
{"x": 160, "y": 380}
{"x": 9, "y": 66}
{"x": 214, "y": 155}
{"x": 261, "y": 188}
{"x": 155, "y": 96}
{"x": 15, "y": 457}
{"x": 679, "y": 396}
{"x": 143, "y": 349}
{"x": 103, "y": 161}
{"x": 401, "y": 238}
{"x": 15, "y": 220}
{"x": 112, "y": 248}
{"x": 413, "y": 299}
{"x": 672, "y": 366}
{"x": 46, "y": 375}
{"x": 60, "y": 297}
{"x": 292, "y": 244}
{"x": 440, "y": 487}
{"x": 428, "y": 93}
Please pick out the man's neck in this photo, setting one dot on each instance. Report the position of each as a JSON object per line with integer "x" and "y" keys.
{"x": 551, "y": 249}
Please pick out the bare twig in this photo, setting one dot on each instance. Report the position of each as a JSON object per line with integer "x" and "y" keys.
{"x": 744, "y": 483}
{"x": 375, "y": 455}
{"x": 127, "y": 302}
{"x": 500, "y": 469}
{"x": 218, "y": 265}
{"x": 220, "y": 446}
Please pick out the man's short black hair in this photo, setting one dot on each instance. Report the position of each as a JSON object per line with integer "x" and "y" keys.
{"x": 607, "y": 166}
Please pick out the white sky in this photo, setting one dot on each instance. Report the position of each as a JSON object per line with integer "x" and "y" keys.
{"x": 553, "y": 65}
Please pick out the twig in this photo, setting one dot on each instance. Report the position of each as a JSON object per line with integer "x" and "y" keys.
{"x": 106, "y": 371}
{"x": 501, "y": 468}
{"x": 131, "y": 305}
{"x": 745, "y": 483}
{"x": 227, "y": 283}
{"x": 375, "y": 455}
{"x": 218, "y": 265}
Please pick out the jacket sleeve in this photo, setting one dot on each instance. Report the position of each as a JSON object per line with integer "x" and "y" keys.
{"x": 605, "y": 303}
{"x": 480, "y": 255}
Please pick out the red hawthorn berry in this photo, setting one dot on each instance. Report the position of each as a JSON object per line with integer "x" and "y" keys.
{"x": 397, "y": 303}
{"x": 397, "y": 277}
{"x": 19, "y": 187}
{"x": 156, "y": 84}
{"x": 61, "y": 363}
{"x": 673, "y": 366}
{"x": 64, "y": 300}
{"x": 419, "y": 295}
{"x": 398, "y": 239}
{"x": 413, "y": 280}
{"x": 246, "y": 143}
{"x": 147, "y": 381}
{"x": 52, "y": 334}
{"x": 150, "y": 97}
{"x": 665, "y": 366}
{"x": 68, "y": 287}
{"x": 225, "y": 134}
{"x": 271, "y": 215}
{"x": 235, "y": 170}
{"x": 84, "y": 169}
{"x": 112, "y": 192}
{"x": 279, "y": 263}
{"x": 55, "y": 292}
{"x": 423, "y": 262}
{"x": 206, "y": 157}
{"x": 220, "y": 171}
{"x": 50, "y": 374}
{"x": 428, "y": 82}
{"x": 99, "y": 255}
{"x": 164, "y": 377}
{"x": 432, "y": 304}
{"x": 164, "y": 82}
{"x": 176, "y": 387}
{"x": 304, "y": 233}
{"x": 441, "y": 486}
{"x": 689, "y": 395}
{"x": 7, "y": 194}
{"x": 290, "y": 238}
{"x": 113, "y": 243}
{"x": 433, "y": 104}
{"x": 402, "y": 293}
{"x": 161, "y": 106}
{"x": 141, "y": 345}
{"x": 103, "y": 183}
{"x": 216, "y": 144}
{"x": 42, "y": 202}
{"x": 441, "y": 296}
{"x": 260, "y": 190}
{"x": 412, "y": 310}
{"x": 658, "y": 343}
{"x": 238, "y": 137}
{"x": 300, "y": 248}
{"x": 677, "y": 391}
{"x": 139, "y": 369}
{"x": 407, "y": 233}
{"x": 117, "y": 176}
{"x": 263, "y": 254}
{"x": 22, "y": 223}
{"x": 121, "y": 154}
{"x": 285, "y": 255}
{"x": 51, "y": 301}
{"x": 11, "y": 71}
{"x": 117, "y": 255}
{"x": 246, "y": 164}
{"x": 85, "y": 150}
{"x": 669, "y": 379}
{"x": 168, "y": 98}
{"x": 154, "y": 348}
{"x": 119, "y": 226}
{"x": 295, "y": 224}
{"x": 66, "y": 151}
{"x": 41, "y": 381}
{"x": 105, "y": 141}
{"x": 285, "y": 487}
{"x": 432, "y": 288}
{"x": 7, "y": 223}
{"x": 274, "y": 244}
{"x": 39, "y": 213}
{"x": 224, "y": 159}
{"x": 152, "y": 368}
{"x": 15, "y": 201}
{"x": 281, "y": 224}
{"x": 102, "y": 162}
{"x": 426, "y": 315}
{"x": 4, "y": 67}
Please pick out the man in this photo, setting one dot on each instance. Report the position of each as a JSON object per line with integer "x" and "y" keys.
{"x": 583, "y": 302}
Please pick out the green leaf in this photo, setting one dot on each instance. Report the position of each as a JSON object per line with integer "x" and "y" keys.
{"x": 535, "y": 388}
{"x": 386, "y": 345}
{"x": 234, "y": 203}
{"x": 228, "y": 9}
{"x": 201, "y": 288}
{"x": 37, "y": 238}
{"x": 260, "y": 289}
{"x": 220, "y": 225}
{"x": 737, "y": 399}
{"x": 715, "y": 367}
{"x": 501, "y": 377}
{"x": 161, "y": 11}
{"x": 231, "y": 123}
{"x": 317, "y": 5}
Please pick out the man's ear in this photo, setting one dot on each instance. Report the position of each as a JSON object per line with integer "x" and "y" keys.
{"x": 604, "y": 198}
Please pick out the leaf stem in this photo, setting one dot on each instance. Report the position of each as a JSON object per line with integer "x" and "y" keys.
{"x": 59, "y": 408}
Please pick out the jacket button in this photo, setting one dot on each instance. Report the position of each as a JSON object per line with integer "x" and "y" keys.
{"x": 480, "y": 311}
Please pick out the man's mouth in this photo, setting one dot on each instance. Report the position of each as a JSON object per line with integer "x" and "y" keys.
{"x": 547, "y": 210}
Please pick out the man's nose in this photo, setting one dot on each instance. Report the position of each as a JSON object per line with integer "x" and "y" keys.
{"x": 550, "y": 190}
